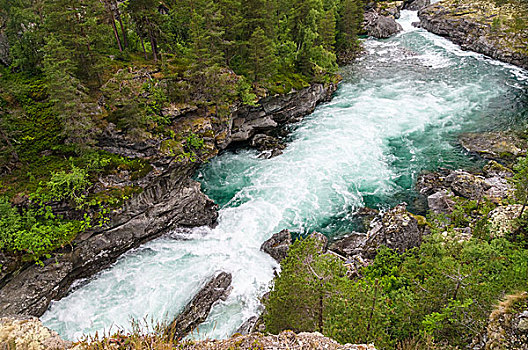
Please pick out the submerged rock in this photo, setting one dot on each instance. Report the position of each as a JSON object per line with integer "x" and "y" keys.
{"x": 197, "y": 310}
{"x": 379, "y": 26}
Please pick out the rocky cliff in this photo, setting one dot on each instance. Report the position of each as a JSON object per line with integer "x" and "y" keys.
{"x": 483, "y": 27}
{"x": 169, "y": 199}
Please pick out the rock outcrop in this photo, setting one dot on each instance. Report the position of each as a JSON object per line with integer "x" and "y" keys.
{"x": 197, "y": 310}
{"x": 507, "y": 327}
{"x": 285, "y": 340}
{"x": 169, "y": 199}
{"x": 274, "y": 111}
{"x": 480, "y": 26}
{"x": 173, "y": 200}
{"x": 396, "y": 229}
{"x": 279, "y": 244}
{"x": 416, "y": 5}
{"x": 28, "y": 334}
{"x": 499, "y": 146}
{"x": 379, "y": 26}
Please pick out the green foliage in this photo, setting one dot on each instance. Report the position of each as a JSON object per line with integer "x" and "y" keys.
{"x": 33, "y": 233}
{"x": 313, "y": 293}
{"x": 64, "y": 185}
{"x": 520, "y": 182}
{"x": 445, "y": 289}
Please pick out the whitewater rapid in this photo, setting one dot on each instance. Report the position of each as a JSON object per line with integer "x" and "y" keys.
{"x": 397, "y": 112}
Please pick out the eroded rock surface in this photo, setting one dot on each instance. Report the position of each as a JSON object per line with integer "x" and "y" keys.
{"x": 379, "y": 26}
{"x": 471, "y": 25}
{"x": 507, "y": 327}
{"x": 501, "y": 146}
{"x": 197, "y": 310}
{"x": 396, "y": 229}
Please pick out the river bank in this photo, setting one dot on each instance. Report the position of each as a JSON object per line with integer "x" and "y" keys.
{"x": 498, "y": 31}
{"x": 170, "y": 199}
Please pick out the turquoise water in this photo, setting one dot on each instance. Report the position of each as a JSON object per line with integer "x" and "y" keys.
{"x": 396, "y": 113}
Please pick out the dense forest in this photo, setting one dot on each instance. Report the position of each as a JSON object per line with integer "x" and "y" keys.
{"x": 70, "y": 67}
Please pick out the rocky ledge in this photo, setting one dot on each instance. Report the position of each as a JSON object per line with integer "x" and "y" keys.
{"x": 169, "y": 199}
{"x": 482, "y": 27}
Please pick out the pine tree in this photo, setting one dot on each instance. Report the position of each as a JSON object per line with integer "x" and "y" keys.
{"x": 348, "y": 24}
{"x": 261, "y": 55}
{"x": 67, "y": 93}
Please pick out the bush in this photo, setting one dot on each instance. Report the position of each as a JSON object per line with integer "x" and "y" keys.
{"x": 32, "y": 233}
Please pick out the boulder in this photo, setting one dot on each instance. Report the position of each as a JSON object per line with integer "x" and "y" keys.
{"x": 269, "y": 146}
{"x": 441, "y": 202}
{"x": 416, "y": 5}
{"x": 502, "y": 220}
{"x": 396, "y": 229}
{"x": 197, "y": 310}
{"x": 468, "y": 185}
{"x": 501, "y": 146}
{"x": 499, "y": 189}
{"x": 493, "y": 169}
{"x": 379, "y": 26}
{"x": 350, "y": 245}
{"x": 278, "y": 245}
{"x": 29, "y": 333}
{"x": 429, "y": 183}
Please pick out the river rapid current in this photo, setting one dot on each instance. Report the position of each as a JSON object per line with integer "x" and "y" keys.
{"x": 397, "y": 112}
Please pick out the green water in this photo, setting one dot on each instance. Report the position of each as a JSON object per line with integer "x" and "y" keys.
{"x": 397, "y": 112}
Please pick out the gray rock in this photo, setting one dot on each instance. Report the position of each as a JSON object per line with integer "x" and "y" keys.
{"x": 274, "y": 111}
{"x": 429, "y": 183}
{"x": 380, "y": 27}
{"x": 494, "y": 169}
{"x": 350, "y": 245}
{"x": 468, "y": 185}
{"x": 197, "y": 310}
{"x": 501, "y": 146}
{"x": 441, "y": 202}
{"x": 462, "y": 26}
{"x": 278, "y": 245}
{"x": 248, "y": 326}
{"x": 172, "y": 200}
{"x": 269, "y": 146}
{"x": 416, "y": 5}
{"x": 396, "y": 229}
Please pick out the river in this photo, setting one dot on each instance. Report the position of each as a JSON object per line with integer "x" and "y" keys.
{"x": 397, "y": 112}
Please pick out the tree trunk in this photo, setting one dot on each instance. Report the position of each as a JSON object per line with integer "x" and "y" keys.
{"x": 143, "y": 46}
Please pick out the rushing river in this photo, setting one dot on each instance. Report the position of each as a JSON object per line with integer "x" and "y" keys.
{"x": 397, "y": 112}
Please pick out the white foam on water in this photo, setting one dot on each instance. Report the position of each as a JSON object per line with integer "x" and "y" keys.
{"x": 389, "y": 109}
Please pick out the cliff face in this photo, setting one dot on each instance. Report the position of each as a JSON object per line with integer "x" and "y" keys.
{"x": 169, "y": 199}
{"x": 498, "y": 32}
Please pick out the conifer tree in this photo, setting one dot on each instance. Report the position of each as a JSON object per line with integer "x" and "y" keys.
{"x": 261, "y": 55}
{"x": 67, "y": 93}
